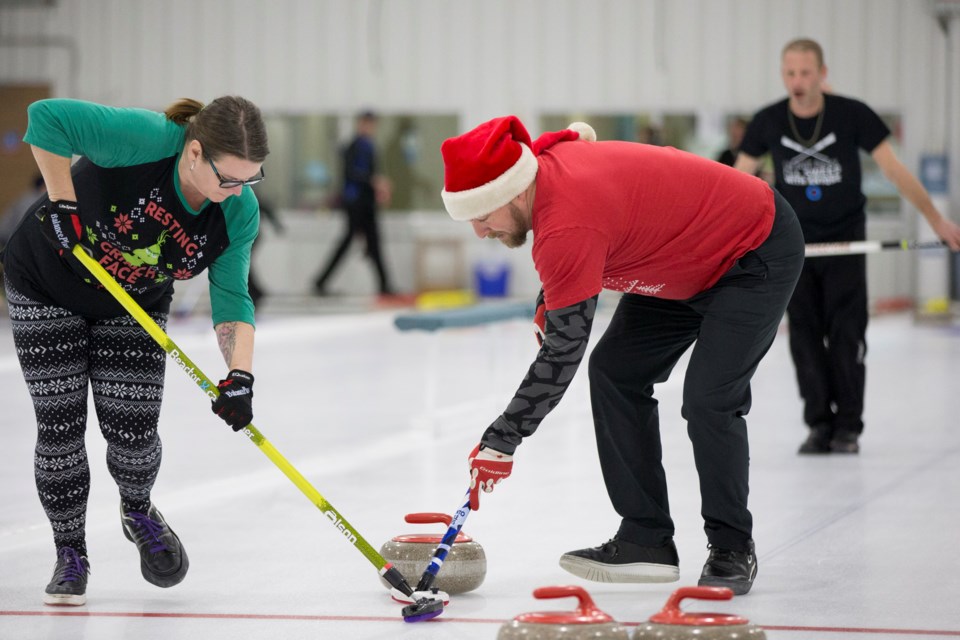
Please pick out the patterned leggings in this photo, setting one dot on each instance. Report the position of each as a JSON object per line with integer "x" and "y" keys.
{"x": 61, "y": 352}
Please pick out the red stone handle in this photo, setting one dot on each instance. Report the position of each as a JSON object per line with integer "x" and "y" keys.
{"x": 671, "y": 613}
{"x": 585, "y": 604}
{"x": 586, "y": 612}
{"x": 428, "y": 518}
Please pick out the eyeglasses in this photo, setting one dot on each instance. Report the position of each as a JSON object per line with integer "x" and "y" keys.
{"x": 230, "y": 184}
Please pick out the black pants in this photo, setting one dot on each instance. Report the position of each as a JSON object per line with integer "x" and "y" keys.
{"x": 733, "y": 325}
{"x": 828, "y": 326}
{"x": 361, "y": 222}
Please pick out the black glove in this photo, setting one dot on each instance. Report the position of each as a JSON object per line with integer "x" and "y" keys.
{"x": 234, "y": 405}
{"x": 540, "y": 319}
{"x": 61, "y": 224}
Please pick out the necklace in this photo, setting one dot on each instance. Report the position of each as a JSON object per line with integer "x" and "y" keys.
{"x": 816, "y": 127}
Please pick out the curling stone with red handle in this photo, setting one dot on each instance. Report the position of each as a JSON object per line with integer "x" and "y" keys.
{"x": 463, "y": 570}
{"x": 586, "y": 623}
{"x": 673, "y": 624}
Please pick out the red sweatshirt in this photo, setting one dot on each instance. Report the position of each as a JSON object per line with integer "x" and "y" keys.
{"x": 641, "y": 219}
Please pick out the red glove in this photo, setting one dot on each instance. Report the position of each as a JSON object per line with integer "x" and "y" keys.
{"x": 540, "y": 318}
{"x": 487, "y": 468}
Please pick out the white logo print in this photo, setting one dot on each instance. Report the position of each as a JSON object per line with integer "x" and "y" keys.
{"x": 809, "y": 166}
{"x": 633, "y": 286}
{"x": 338, "y": 523}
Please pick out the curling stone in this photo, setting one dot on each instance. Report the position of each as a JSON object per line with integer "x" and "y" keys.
{"x": 586, "y": 623}
{"x": 672, "y": 624}
{"x": 463, "y": 569}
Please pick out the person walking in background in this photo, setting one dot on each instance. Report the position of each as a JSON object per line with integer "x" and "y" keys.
{"x": 18, "y": 210}
{"x": 715, "y": 273}
{"x": 735, "y": 130}
{"x": 154, "y": 198}
{"x": 814, "y": 138}
{"x": 269, "y": 213}
{"x": 363, "y": 191}
{"x": 401, "y": 157}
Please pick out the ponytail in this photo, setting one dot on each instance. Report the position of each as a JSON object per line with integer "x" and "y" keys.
{"x": 182, "y": 110}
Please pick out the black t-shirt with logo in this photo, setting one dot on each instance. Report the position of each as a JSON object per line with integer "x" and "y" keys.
{"x": 818, "y": 164}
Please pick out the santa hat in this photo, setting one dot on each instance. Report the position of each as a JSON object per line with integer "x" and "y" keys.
{"x": 489, "y": 166}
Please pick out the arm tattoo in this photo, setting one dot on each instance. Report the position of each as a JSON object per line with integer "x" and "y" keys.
{"x": 568, "y": 331}
{"x": 227, "y": 339}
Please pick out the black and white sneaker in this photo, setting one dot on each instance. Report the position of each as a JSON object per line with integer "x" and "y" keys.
{"x": 732, "y": 569}
{"x": 621, "y": 561}
{"x": 68, "y": 586}
{"x": 163, "y": 560}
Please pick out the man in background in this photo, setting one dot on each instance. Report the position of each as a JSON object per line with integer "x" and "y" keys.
{"x": 814, "y": 137}
{"x": 363, "y": 190}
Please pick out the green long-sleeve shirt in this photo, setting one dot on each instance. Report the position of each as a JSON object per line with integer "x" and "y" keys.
{"x": 134, "y": 215}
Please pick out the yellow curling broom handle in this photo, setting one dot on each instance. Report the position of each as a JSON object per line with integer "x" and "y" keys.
{"x": 207, "y": 386}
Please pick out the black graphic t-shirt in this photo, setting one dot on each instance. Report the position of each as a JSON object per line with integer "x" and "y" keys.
{"x": 818, "y": 164}
{"x": 134, "y": 216}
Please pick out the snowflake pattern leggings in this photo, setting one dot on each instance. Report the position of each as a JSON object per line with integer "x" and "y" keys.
{"x": 60, "y": 353}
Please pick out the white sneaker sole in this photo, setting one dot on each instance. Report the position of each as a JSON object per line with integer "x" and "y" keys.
{"x": 63, "y": 599}
{"x": 636, "y": 572}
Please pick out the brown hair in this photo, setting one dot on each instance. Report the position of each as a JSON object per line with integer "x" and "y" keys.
{"x": 805, "y": 44}
{"x": 230, "y": 125}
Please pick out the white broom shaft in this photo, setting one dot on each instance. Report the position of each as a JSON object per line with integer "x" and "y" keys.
{"x": 820, "y": 249}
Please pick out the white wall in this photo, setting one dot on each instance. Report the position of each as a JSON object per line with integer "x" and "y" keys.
{"x": 479, "y": 58}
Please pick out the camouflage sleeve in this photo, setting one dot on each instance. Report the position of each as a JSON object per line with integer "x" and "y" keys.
{"x": 568, "y": 330}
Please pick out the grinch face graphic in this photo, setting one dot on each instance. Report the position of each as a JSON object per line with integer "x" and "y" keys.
{"x": 147, "y": 255}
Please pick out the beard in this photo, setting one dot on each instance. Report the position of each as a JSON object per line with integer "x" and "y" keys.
{"x": 518, "y": 237}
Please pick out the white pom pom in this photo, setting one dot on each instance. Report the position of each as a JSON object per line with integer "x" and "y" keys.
{"x": 586, "y": 131}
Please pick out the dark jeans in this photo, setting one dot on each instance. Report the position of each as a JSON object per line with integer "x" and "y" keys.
{"x": 828, "y": 326}
{"x": 733, "y": 325}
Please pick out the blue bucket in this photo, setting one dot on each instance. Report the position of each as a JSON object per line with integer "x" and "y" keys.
{"x": 491, "y": 279}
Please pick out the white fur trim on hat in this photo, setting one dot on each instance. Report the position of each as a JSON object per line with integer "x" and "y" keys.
{"x": 586, "y": 131}
{"x": 479, "y": 201}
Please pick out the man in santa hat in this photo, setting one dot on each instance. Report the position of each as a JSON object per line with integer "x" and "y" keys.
{"x": 703, "y": 255}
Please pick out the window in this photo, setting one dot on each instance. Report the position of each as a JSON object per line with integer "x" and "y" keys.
{"x": 304, "y": 166}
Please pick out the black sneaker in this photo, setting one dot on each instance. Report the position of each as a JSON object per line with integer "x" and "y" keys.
{"x": 621, "y": 561}
{"x": 818, "y": 441}
{"x": 163, "y": 560}
{"x": 845, "y": 442}
{"x": 69, "y": 583}
{"x": 732, "y": 569}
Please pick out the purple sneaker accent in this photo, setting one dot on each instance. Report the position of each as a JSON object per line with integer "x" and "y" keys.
{"x": 68, "y": 586}
{"x": 151, "y": 530}
{"x": 163, "y": 560}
